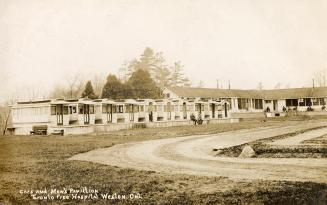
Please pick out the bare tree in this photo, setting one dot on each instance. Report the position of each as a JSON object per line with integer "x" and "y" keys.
{"x": 98, "y": 81}
{"x": 75, "y": 83}
{"x": 260, "y": 86}
{"x": 71, "y": 88}
{"x": 201, "y": 84}
{"x": 320, "y": 78}
{"x": 4, "y": 118}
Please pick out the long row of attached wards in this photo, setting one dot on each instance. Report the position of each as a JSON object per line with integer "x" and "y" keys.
{"x": 106, "y": 111}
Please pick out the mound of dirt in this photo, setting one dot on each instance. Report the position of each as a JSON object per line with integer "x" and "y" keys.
{"x": 247, "y": 152}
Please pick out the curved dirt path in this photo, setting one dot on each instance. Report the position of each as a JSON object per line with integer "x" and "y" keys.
{"x": 298, "y": 139}
{"x": 192, "y": 155}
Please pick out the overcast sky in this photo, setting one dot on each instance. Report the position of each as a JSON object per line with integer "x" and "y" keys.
{"x": 244, "y": 41}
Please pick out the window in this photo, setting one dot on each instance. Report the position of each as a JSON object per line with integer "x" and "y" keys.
{"x": 105, "y": 108}
{"x": 267, "y": 101}
{"x": 141, "y": 108}
{"x": 81, "y": 109}
{"x": 202, "y": 107}
{"x": 91, "y": 109}
{"x": 169, "y": 107}
{"x": 307, "y": 101}
{"x": 321, "y": 101}
{"x": 120, "y": 108}
{"x": 127, "y": 109}
{"x": 258, "y": 103}
{"x": 315, "y": 101}
{"x": 291, "y": 102}
{"x": 53, "y": 110}
{"x": 242, "y": 103}
{"x": 229, "y": 100}
{"x": 135, "y": 108}
{"x": 65, "y": 110}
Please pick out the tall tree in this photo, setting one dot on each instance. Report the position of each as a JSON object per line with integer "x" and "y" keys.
{"x": 113, "y": 88}
{"x": 320, "y": 78}
{"x": 88, "y": 91}
{"x": 177, "y": 77}
{"x": 98, "y": 81}
{"x": 75, "y": 83}
{"x": 162, "y": 77}
{"x": 143, "y": 86}
{"x": 147, "y": 61}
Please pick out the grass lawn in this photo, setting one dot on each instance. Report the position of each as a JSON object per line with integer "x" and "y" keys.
{"x": 38, "y": 162}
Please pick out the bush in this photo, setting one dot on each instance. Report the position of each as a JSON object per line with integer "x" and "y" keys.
{"x": 310, "y": 109}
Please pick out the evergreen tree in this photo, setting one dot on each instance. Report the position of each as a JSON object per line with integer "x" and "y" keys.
{"x": 155, "y": 64}
{"x": 177, "y": 77}
{"x": 143, "y": 86}
{"x": 113, "y": 88}
{"x": 88, "y": 91}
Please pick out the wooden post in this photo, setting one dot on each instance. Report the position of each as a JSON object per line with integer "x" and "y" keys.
{"x": 5, "y": 128}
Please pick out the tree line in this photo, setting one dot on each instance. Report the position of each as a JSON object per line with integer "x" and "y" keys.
{"x": 142, "y": 77}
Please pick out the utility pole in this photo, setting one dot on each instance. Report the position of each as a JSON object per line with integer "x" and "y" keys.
{"x": 313, "y": 83}
{"x": 228, "y": 84}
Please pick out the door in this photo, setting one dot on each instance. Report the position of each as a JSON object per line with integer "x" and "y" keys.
{"x": 131, "y": 113}
{"x": 109, "y": 113}
{"x": 168, "y": 111}
{"x": 213, "y": 108}
{"x": 59, "y": 112}
{"x": 200, "y": 108}
{"x": 150, "y": 112}
{"x": 86, "y": 114}
{"x": 184, "y": 111}
{"x": 225, "y": 108}
{"x": 275, "y": 105}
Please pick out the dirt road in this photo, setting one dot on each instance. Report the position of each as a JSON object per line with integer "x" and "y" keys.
{"x": 193, "y": 155}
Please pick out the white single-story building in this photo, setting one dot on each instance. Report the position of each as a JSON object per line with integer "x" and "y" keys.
{"x": 244, "y": 103}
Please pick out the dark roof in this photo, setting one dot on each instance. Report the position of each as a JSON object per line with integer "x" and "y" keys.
{"x": 291, "y": 93}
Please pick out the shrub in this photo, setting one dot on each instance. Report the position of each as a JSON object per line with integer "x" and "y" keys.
{"x": 310, "y": 109}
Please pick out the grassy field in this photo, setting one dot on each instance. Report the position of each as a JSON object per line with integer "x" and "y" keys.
{"x": 38, "y": 162}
